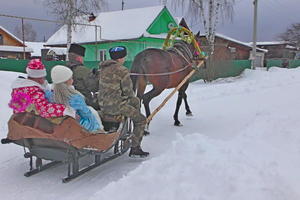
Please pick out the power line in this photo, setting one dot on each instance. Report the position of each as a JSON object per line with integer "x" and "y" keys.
{"x": 44, "y": 20}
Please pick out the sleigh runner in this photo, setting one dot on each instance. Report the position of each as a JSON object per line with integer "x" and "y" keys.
{"x": 63, "y": 140}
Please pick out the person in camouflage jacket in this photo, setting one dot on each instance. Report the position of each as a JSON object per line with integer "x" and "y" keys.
{"x": 85, "y": 80}
{"x": 116, "y": 96}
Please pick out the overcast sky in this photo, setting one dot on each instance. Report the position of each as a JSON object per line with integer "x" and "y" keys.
{"x": 274, "y": 16}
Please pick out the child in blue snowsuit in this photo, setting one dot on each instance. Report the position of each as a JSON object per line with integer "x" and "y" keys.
{"x": 64, "y": 93}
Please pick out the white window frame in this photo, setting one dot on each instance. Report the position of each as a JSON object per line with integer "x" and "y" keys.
{"x": 101, "y": 56}
{"x": 232, "y": 49}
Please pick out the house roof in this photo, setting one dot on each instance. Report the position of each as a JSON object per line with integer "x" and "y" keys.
{"x": 240, "y": 42}
{"x": 58, "y": 51}
{"x": 115, "y": 25}
{"x": 14, "y": 48}
{"x": 237, "y": 41}
{"x": 181, "y": 21}
{"x": 12, "y": 35}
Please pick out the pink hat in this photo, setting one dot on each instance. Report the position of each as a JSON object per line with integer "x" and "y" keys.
{"x": 36, "y": 69}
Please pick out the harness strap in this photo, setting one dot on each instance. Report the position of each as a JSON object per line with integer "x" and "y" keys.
{"x": 161, "y": 74}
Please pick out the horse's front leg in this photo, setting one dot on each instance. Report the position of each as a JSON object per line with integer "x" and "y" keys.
{"x": 146, "y": 102}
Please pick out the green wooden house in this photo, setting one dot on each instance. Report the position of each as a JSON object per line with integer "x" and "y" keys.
{"x": 137, "y": 29}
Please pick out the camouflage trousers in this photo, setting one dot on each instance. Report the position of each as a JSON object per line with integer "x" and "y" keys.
{"x": 132, "y": 111}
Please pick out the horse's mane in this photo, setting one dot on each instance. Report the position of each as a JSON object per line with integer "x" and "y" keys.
{"x": 183, "y": 48}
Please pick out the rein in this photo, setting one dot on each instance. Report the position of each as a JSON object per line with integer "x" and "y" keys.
{"x": 162, "y": 74}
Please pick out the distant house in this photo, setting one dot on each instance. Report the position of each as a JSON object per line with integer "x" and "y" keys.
{"x": 227, "y": 48}
{"x": 46, "y": 53}
{"x": 137, "y": 29}
{"x": 11, "y": 46}
{"x": 279, "y": 49}
{"x": 54, "y": 53}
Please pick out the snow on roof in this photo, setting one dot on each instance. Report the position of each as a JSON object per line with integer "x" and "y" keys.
{"x": 12, "y": 35}
{"x": 178, "y": 19}
{"x": 58, "y": 51}
{"x": 115, "y": 25}
{"x": 288, "y": 44}
{"x": 237, "y": 41}
{"x": 291, "y": 47}
{"x": 160, "y": 36}
{"x": 36, "y": 46}
{"x": 14, "y": 48}
{"x": 271, "y": 43}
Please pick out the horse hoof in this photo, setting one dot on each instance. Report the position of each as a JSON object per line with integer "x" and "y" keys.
{"x": 146, "y": 133}
{"x": 189, "y": 114}
{"x": 178, "y": 124}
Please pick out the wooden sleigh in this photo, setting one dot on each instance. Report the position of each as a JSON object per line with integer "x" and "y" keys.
{"x": 63, "y": 140}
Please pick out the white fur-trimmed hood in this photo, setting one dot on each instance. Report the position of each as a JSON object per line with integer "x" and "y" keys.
{"x": 24, "y": 82}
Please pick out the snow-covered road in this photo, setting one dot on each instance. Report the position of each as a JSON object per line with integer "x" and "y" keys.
{"x": 242, "y": 143}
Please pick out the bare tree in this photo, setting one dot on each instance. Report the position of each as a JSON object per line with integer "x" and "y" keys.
{"x": 29, "y": 32}
{"x": 209, "y": 12}
{"x": 292, "y": 34}
{"x": 71, "y": 11}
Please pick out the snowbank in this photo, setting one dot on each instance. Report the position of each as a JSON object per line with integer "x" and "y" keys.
{"x": 259, "y": 161}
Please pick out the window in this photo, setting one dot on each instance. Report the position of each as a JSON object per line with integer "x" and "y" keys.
{"x": 232, "y": 49}
{"x": 233, "y": 53}
{"x": 297, "y": 56}
{"x": 101, "y": 55}
{"x": 1, "y": 39}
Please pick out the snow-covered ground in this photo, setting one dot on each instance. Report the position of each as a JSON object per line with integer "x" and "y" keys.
{"x": 243, "y": 143}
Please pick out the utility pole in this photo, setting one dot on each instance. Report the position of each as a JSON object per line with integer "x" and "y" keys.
{"x": 164, "y": 2}
{"x": 254, "y": 34}
{"x": 123, "y": 4}
{"x": 210, "y": 39}
{"x": 23, "y": 39}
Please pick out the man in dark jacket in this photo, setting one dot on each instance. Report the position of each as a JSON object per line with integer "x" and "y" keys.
{"x": 116, "y": 96}
{"x": 85, "y": 80}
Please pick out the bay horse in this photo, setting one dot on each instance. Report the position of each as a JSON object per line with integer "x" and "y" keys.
{"x": 163, "y": 69}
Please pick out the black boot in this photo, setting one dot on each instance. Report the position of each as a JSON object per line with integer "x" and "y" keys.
{"x": 146, "y": 133}
{"x": 138, "y": 152}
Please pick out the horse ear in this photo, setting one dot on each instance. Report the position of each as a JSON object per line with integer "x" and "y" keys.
{"x": 198, "y": 34}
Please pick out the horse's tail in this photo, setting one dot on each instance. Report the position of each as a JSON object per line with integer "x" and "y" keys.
{"x": 137, "y": 76}
{"x": 134, "y": 77}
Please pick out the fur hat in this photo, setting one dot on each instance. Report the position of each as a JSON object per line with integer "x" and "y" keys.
{"x": 36, "y": 69}
{"x": 77, "y": 49}
{"x": 60, "y": 74}
{"x": 117, "y": 52}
